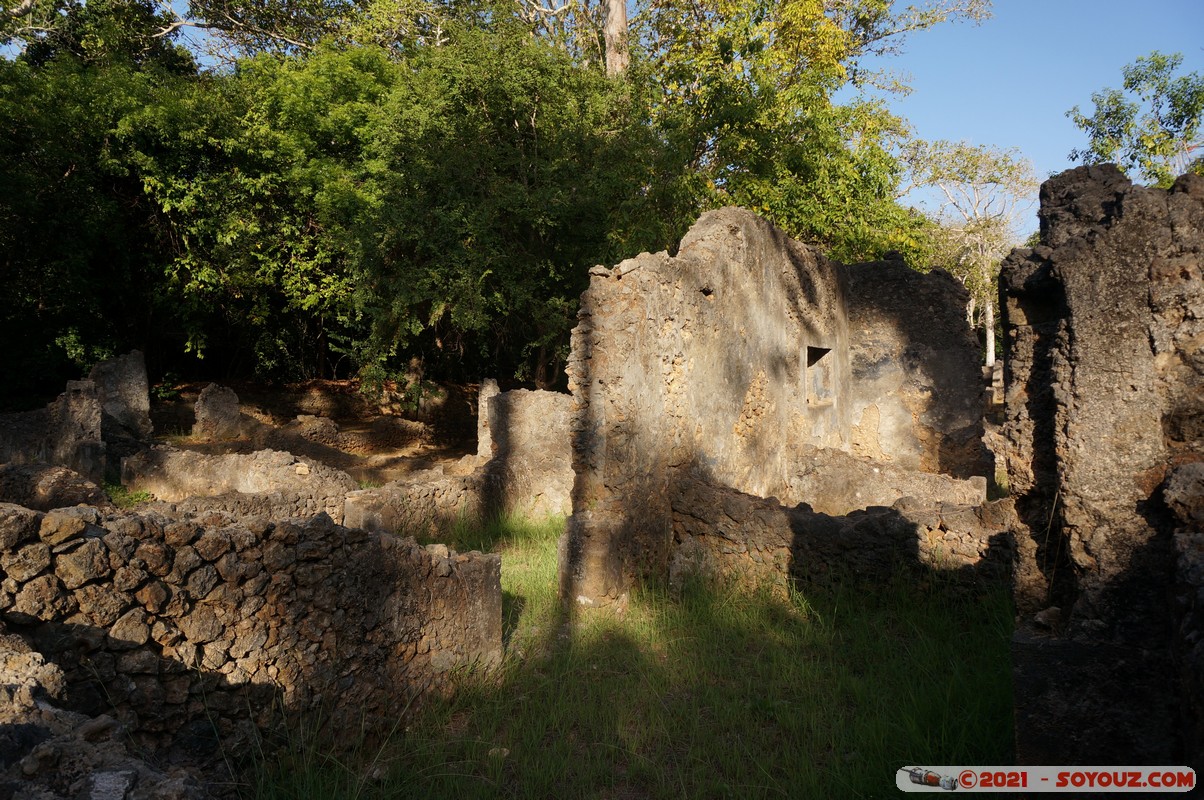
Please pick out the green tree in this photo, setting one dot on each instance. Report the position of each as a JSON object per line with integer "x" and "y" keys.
{"x": 1152, "y": 126}
{"x": 80, "y": 245}
{"x": 741, "y": 93}
{"x": 984, "y": 192}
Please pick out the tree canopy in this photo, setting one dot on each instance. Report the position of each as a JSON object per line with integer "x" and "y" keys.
{"x": 1151, "y": 126}
{"x": 365, "y": 182}
{"x": 985, "y": 190}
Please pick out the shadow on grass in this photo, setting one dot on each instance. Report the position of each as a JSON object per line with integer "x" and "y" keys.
{"x": 715, "y": 692}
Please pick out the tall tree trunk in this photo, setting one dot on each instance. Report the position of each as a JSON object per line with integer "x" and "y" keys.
{"x": 616, "y": 37}
{"x": 988, "y": 322}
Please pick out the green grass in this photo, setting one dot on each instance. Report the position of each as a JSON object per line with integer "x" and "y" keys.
{"x": 124, "y": 498}
{"x": 711, "y": 693}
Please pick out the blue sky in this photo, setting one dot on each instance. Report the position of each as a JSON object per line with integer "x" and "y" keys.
{"x": 1010, "y": 81}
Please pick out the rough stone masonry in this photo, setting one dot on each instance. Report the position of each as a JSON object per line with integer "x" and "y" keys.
{"x": 204, "y": 626}
{"x": 734, "y": 362}
{"x": 1104, "y": 355}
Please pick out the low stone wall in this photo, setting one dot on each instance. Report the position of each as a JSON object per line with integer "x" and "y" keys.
{"x": 43, "y": 487}
{"x": 423, "y": 502}
{"x": 834, "y": 482}
{"x": 720, "y": 532}
{"x": 266, "y": 483}
{"x": 50, "y": 753}
{"x": 200, "y": 627}
{"x": 65, "y": 433}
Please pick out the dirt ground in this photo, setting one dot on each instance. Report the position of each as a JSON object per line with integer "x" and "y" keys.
{"x": 375, "y": 439}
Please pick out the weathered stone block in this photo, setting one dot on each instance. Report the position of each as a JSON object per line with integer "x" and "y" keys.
{"x": 17, "y": 525}
{"x": 218, "y": 416}
{"x": 124, "y": 394}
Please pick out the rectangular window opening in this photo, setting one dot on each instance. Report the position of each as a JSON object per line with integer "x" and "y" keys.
{"x": 819, "y": 377}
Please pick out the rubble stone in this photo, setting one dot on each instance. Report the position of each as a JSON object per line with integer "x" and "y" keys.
{"x": 218, "y": 416}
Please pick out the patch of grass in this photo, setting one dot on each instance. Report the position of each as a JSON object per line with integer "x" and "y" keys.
{"x": 715, "y": 692}
{"x": 999, "y": 488}
{"x": 124, "y": 498}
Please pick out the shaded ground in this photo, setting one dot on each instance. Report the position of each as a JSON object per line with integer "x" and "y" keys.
{"x": 375, "y": 440}
{"x": 710, "y": 693}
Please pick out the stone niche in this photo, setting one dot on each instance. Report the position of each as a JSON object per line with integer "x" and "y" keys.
{"x": 736, "y": 362}
{"x": 1104, "y": 377}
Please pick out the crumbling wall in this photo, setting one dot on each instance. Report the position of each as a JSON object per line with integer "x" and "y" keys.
{"x": 725, "y": 358}
{"x": 835, "y": 482}
{"x": 422, "y": 502}
{"x": 92, "y": 421}
{"x": 720, "y": 532}
{"x": 50, "y": 753}
{"x": 1104, "y": 380}
{"x": 173, "y": 624}
{"x": 523, "y": 466}
{"x": 44, "y": 487}
{"x": 124, "y": 394}
{"x": 746, "y": 361}
{"x": 265, "y": 483}
{"x": 1184, "y": 495}
{"x": 66, "y": 433}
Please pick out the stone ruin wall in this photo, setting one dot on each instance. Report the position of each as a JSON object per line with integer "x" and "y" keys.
{"x": 1104, "y": 349}
{"x": 209, "y": 616}
{"x": 84, "y": 428}
{"x": 265, "y": 483}
{"x": 745, "y": 361}
{"x": 915, "y": 388}
{"x": 720, "y": 532}
{"x": 206, "y": 626}
{"x": 523, "y": 465}
{"x": 67, "y": 432}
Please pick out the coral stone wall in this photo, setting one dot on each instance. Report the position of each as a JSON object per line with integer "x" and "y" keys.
{"x": 164, "y": 623}
{"x": 67, "y": 432}
{"x": 744, "y": 361}
{"x": 916, "y": 389}
{"x": 1104, "y": 394}
{"x": 724, "y": 359}
{"x": 266, "y": 483}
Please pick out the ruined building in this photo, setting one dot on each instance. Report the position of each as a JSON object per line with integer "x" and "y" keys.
{"x": 744, "y": 408}
{"x": 752, "y": 365}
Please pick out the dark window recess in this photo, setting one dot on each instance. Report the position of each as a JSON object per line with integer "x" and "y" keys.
{"x": 820, "y": 379}
{"x": 814, "y": 354}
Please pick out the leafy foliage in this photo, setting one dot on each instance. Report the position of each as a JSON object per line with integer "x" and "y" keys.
{"x": 1152, "y": 126}
{"x": 80, "y": 245}
{"x": 373, "y": 184}
{"x": 984, "y": 190}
